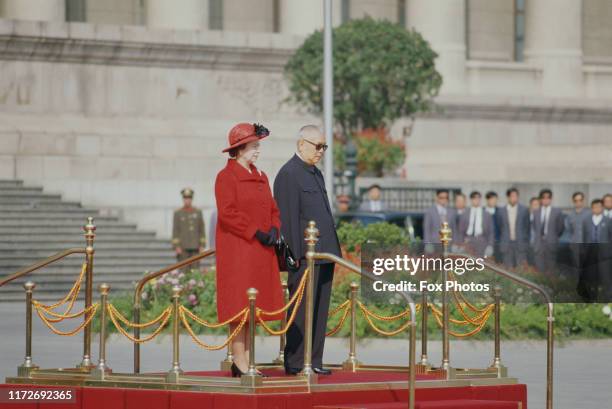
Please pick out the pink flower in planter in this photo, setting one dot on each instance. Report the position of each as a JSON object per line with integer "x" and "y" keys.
{"x": 193, "y": 299}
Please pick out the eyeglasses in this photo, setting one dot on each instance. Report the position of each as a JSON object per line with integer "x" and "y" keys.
{"x": 318, "y": 146}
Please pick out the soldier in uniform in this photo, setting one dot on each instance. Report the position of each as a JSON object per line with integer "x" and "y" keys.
{"x": 188, "y": 234}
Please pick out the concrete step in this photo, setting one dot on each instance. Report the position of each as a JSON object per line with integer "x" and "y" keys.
{"x": 57, "y": 246}
{"x": 57, "y": 230}
{"x": 74, "y": 212}
{"x": 68, "y": 214}
{"x": 118, "y": 252}
{"x": 26, "y": 190}
{"x": 7, "y": 182}
{"x": 9, "y": 264}
{"x": 17, "y": 207}
{"x": 100, "y": 238}
{"x": 9, "y": 200}
{"x": 26, "y": 194}
{"x": 55, "y": 223}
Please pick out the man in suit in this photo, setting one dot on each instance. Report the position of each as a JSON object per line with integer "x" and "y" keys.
{"x": 596, "y": 274}
{"x": 188, "y": 234}
{"x": 534, "y": 207}
{"x": 574, "y": 226}
{"x": 513, "y": 222}
{"x": 301, "y": 196}
{"x": 548, "y": 224}
{"x": 459, "y": 211}
{"x": 492, "y": 199}
{"x": 607, "y": 205}
{"x": 434, "y": 217}
{"x": 373, "y": 203}
{"x": 476, "y": 228}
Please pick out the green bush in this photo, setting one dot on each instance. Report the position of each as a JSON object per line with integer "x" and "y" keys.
{"x": 354, "y": 235}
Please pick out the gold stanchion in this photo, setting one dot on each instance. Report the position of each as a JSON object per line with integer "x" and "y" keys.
{"x": 226, "y": 364}
{"x": 502, "y": 371}
{"x": 311, "y": 237}
{"x": 445, "y": 238}
{"x": 351, "y": 363}
{"x": 251, "y": 377}
{"x": 25, "y": 369}
{"x": 90, "y": 235}
{"x": 412, "y": 362}
{"x": 424, "y": 310}
{"x": 175, "y": 372}
{"x": 280, "y": 360}
{"x": 100, "y": 371}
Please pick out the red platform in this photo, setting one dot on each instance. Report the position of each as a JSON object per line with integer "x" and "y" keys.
{"x": 341, "y": 390}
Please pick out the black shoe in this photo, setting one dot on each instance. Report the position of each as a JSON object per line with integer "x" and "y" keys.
{"x": 322, "y": 371}
{"x": 236, "y": 372}
{"x": 293, "y": 371}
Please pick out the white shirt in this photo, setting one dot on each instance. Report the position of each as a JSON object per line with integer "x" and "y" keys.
{"x": 512, "y": 212}
{"x": 475, "y": 223}
{"x": 442, "y": 212}
{"x": 607, "y": 213}
{"x": 545, "y": 217}
{"x": 597, "y": 219}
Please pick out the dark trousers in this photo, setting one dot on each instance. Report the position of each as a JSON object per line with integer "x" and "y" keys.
{"x": 185, "y": 255}
{"x": 514, "y": 253}
{"x": 294, "y": 349}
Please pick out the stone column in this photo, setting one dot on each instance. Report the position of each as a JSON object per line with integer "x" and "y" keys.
{"x": 177, "y": 14}
{"x": 442, "y": 23}
{"x": 38, "y": 10}
{"x": 304, "y": 17}
{"x": 553, "y": 41}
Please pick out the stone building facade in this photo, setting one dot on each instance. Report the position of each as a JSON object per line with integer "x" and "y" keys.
{"x": 121, "y": 103}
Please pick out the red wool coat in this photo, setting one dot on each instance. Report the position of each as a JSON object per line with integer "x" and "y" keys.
{"x": 244, "y": 205}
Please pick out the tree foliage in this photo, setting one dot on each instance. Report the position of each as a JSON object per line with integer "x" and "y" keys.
{"x": 381, "y": 72}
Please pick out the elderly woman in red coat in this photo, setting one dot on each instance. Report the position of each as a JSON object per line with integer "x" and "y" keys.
{"x": 248, "y": 224}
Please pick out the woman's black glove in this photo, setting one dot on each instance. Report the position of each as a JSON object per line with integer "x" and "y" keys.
{"x": 264, "y": 238}
{"x": 273, "y": 233}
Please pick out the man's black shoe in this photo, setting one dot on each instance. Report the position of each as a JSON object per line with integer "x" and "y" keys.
{"x": 322, "y": 371}
{"x": 293, "y": 371}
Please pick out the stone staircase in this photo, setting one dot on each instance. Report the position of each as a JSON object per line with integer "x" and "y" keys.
{"x": 35, "y": 225}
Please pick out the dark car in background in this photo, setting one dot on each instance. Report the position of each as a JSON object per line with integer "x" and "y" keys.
{"x": 412, "y": 222}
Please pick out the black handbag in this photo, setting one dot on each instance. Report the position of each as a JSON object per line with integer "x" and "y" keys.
{"x": 285, "y": 257}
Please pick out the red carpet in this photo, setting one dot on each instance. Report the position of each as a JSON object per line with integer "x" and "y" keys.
{"x": 474, "y": 397}
{"x": 337, "y": 376}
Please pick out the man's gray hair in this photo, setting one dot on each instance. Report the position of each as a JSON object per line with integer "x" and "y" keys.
{"x": 308, "y": 130}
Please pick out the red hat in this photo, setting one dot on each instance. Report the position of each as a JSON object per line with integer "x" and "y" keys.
{"x": 244, "y": 133}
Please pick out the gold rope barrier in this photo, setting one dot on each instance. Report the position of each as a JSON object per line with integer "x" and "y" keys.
{"x": 70, "y": 297}
{"x": 209, "y": 324}
{"x": 346, "y": 306}
{"x": 369, "y": 314}
{"x": 115, "y": 315}
{"x": 483, "y": 321}
{"x": 296, "y": 298}
{"x": 182, "y": 313}
{"x": 91, "y": 310}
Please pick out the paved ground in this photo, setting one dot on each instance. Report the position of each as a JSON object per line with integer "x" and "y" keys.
{"x": 582, "y": 369}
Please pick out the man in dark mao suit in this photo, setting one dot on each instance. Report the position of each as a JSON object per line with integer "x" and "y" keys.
{"x": 299, "y": 190}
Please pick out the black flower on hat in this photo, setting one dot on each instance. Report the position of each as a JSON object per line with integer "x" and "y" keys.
{"x": 261, "y": 130}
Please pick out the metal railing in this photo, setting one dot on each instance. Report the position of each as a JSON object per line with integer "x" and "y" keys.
{"x": 445, "y": 234}
{"x": 88, "y": 251}
{"x": 138, "y": 291}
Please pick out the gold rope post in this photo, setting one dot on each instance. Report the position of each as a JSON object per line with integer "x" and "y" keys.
{"x": 280, "y": 359}
{"x": 252, "y": 377}
{"x": 100, "y": 371}
{"x": 226, "y": 364}
{"x": 445, "y": 238}
{"x": 311, "y": 235}
{"x": 424, "y": 361}
{"x": 90, "y": 229}
{"x": 175, "y": 372}
{"x": 351, "y": 363}
{"x": 28, "y": 366}
{"x": 502, "y": 371}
